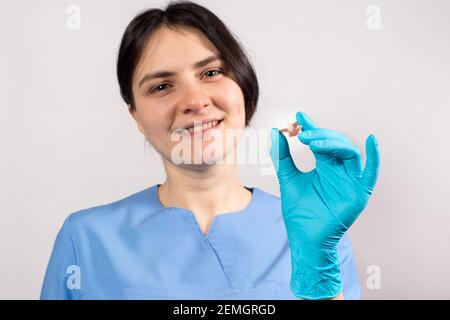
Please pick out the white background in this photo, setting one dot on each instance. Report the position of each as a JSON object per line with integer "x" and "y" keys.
{"x": 68, "y": 142}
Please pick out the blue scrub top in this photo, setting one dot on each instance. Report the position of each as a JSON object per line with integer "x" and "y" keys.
{"x": 136, "y": 248}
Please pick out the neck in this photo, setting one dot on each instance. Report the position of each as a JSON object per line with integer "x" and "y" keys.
{"x": 206, "y": 192}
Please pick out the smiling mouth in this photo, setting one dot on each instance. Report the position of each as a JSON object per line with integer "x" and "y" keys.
{"x": 201, "y": 127}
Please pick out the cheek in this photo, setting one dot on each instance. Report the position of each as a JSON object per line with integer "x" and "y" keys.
{"x": 156, "y": 121}
{"x": 232, "y": 100}
{"x": 155, "y": 117}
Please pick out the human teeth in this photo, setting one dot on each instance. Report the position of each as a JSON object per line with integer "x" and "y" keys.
{"x": 209, "y": 125}
{"x": 205, "y": 126}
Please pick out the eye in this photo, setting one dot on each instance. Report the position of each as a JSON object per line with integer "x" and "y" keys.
{"x": 163, "y": 86}
{"x": 210, "y": 72}
{"x": 158, "y": 88}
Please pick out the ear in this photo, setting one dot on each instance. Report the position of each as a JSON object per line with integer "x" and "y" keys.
{"x": 136, "y": 119}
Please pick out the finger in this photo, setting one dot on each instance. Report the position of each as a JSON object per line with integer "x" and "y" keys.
{"x": 337, "y": 149}
{"x": 305, "y": 121}
{"x": 281, "y": 156}
{"x": 321, "y": 133}
{"x": 334, "y": 148}
{"x": 353, "y": 165}
{"x": 370, "y": 174}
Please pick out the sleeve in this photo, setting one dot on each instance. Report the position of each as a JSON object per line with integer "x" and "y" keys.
{"x": 349, "y": 273}
{"x": 62, "y": 279}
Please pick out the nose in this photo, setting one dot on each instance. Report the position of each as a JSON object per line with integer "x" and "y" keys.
{"x": 193, "y": 100}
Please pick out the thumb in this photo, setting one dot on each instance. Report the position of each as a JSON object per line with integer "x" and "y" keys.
{"x": 281, "y": 156}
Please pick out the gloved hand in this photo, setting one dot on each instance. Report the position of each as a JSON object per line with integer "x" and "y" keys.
{"x": 320, "y": 205}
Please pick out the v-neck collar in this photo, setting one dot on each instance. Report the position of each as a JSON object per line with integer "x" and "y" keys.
{"x": 249, "y": 208}
{"x": 159, "y": 206}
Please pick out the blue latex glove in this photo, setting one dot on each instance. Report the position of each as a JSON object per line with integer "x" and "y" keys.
{"x": 320, "y": 205}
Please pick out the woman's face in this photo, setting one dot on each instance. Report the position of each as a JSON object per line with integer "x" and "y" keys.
{"x": 184, "y": 92}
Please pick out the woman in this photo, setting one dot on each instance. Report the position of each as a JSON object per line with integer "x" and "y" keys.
{"x": 202, "y": 234}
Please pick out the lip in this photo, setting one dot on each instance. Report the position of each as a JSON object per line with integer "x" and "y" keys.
{"x": 203, "y": 131}
{"x": 191, "y": 125}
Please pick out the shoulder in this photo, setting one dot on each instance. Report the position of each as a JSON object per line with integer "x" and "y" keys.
{"x": 267, "y": 204}
{"x": 266, "y": 198}
{"x": 109, "y": 213}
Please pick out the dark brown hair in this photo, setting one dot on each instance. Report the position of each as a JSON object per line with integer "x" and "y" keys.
{"x": 185, "y": 14}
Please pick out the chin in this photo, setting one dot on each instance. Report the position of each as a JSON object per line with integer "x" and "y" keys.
{"x": 204, "y": 159}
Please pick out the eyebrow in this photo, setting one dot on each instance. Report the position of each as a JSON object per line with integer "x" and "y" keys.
{"x": 163, "y": 74}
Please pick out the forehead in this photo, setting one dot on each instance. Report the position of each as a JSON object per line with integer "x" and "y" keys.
{"x": 174, "y": 49}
